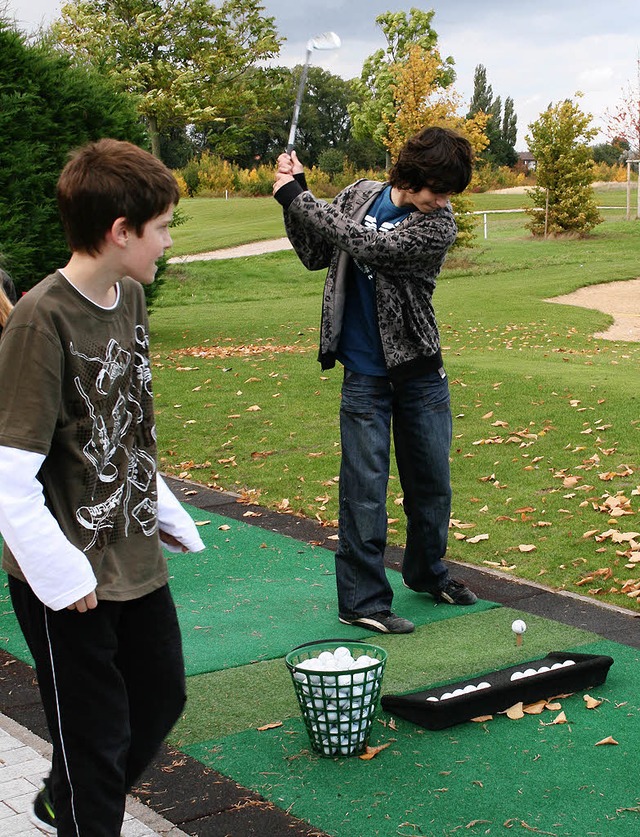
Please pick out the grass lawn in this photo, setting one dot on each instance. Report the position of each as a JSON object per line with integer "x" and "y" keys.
{"x": 545, "y": 454}
{"x": 215, "y": 223}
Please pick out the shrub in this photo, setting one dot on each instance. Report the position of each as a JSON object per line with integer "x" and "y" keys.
{"x": 255, "y": 182}
{"x": 488, "y": 178}
{"x": 190, "y": 176}
{"x": 47, "y": 108}
{"x": 331, "y": 161}
{"x": 611, "y": 174}
{"x": 211, "y": 176}
{"x": 216, "y": 175}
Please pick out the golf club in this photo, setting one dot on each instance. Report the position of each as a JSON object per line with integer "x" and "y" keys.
{"x": 328, "y": 40}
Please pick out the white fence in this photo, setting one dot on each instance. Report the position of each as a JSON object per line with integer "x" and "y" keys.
{"x": 486, "y": 212}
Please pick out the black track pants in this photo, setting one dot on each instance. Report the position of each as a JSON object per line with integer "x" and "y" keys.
{"x": 112, "y": 684}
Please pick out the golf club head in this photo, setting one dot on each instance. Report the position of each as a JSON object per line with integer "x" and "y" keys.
{"x": 327, "y": 40}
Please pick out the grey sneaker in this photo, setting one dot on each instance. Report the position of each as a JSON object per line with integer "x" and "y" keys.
{"x": 384, "y": 623}
{"x": 454, "y": 592}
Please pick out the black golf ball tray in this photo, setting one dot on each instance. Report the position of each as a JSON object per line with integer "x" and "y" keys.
{"x": 444, "y": 706}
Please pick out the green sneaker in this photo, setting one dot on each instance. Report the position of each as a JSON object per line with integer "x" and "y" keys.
{"x": 42, "y": 813}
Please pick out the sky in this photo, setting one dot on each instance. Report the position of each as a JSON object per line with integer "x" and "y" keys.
{"x": 537, "y": 53}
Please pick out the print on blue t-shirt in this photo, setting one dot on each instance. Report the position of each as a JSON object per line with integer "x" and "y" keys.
{"x": 360, "y": 347}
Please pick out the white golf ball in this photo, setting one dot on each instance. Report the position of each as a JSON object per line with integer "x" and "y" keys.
{"x": 518, "y": 626}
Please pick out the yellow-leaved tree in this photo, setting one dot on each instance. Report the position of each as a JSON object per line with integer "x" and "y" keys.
{"x": 420, "y": 101}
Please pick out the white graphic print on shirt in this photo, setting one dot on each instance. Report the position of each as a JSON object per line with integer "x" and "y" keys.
{"x": 371, "y": 224}
{"x": 114, "y": 403}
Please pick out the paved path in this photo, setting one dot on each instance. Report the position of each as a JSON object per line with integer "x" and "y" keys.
{"x": 24, "y": 761}
{"x": 256, "y": 248}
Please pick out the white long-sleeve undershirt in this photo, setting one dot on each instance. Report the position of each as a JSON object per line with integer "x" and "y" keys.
{"x": 57, "y": 571}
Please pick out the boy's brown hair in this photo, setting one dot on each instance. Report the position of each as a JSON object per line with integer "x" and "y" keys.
{"x": 111, "y": 179}
{"x": 437, "y": 158}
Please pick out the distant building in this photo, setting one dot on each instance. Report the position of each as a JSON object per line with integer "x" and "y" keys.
{"x": 527, "y": 160}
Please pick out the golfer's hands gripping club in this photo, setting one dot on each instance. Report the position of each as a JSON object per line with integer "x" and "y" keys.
{"x": 288, "y": 165}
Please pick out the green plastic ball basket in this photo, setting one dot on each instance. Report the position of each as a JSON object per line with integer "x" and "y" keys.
{"x": 337, "y": 706}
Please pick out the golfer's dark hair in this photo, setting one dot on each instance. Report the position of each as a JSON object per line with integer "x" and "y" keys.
{"x": 436, "y": 158}
{"x": 111, "y": 179}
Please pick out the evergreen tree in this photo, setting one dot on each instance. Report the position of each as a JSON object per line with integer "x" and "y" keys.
{"x": 47, "y": 108}
{"x": 509, "y": 123}
{"x": 482, "y": 93}
{"x": 502, "y": 130}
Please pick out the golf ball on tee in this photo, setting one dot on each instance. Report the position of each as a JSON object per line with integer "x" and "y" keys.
{"x": 518, "y": 626}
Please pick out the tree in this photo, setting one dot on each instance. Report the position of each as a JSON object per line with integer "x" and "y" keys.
{"x": 509, "y": 123}
{"x": 187, "y": 61}
{"x": 482, "y": 97}
{"x": 377, "y": 105}
{"x": 324, "y": 119}
{"x": 502, "y": 130}
{"x": 324, "y": 116}
{"x": 258, "y": 130}
{"x": 47, "y": 108}
{"x": 423, "y": 101}
{"x": 624, "y": 122}
{"x": 612, "y": 153}
{"x": 559, "y": 142}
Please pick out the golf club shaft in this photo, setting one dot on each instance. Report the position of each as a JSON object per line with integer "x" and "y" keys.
{"x": 296, "y": 108}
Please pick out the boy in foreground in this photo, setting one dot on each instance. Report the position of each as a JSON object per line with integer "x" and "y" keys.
{"x": 83, "y": 510}
{"x": 384, "y": 245}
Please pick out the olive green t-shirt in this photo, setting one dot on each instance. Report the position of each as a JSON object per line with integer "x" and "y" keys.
{"x": 76, "y": 387}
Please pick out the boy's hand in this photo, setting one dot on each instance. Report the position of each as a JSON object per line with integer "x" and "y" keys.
{"x": 169, "y": 540}
{"x": 289, "y": 164}
{"x": 85, "y": 603}
{"x": 281, "y": 180}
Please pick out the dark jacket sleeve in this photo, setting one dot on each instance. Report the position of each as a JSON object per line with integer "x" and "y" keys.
{"x": 418, "y": 243}
{"x": 312, "y": 248}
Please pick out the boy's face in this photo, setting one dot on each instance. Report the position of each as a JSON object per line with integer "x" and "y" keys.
{"x": 425, "y": 200}
{"x": 143, "y": 251}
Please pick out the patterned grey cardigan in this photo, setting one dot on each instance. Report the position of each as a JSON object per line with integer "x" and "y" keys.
{"x": 405, "y": 262}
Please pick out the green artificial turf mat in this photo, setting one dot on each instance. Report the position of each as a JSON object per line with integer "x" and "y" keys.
{"x": 531, "y": 775}
{"x": 11, "y": 638}
{"x": 254, "y": 595}
{"x": 236, "y": 699}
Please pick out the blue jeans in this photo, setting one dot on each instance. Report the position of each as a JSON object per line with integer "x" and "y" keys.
{"x": 420, "y": 412}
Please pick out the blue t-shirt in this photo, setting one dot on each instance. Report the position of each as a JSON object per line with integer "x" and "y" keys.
{"x": 360, "y": 347}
